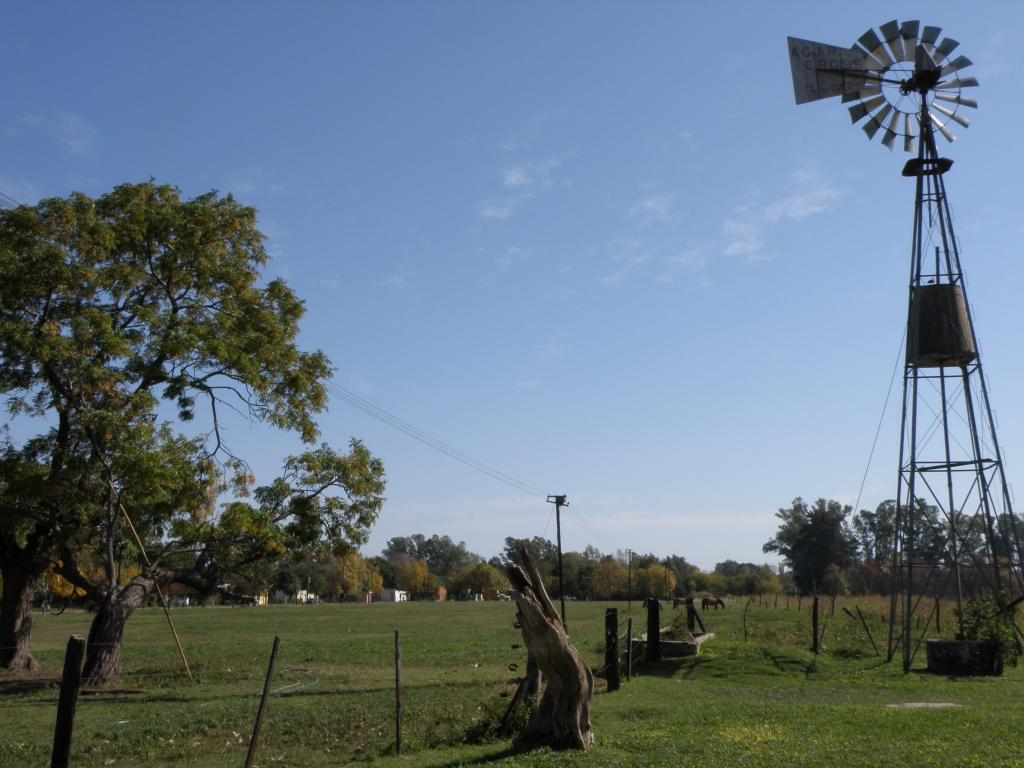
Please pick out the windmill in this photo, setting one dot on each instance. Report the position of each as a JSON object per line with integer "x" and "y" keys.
{"x": 955, "y": 530}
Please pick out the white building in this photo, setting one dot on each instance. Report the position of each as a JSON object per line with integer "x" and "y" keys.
{"x": 392, "y": 596}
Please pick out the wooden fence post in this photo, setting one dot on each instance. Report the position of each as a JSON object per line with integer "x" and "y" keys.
{"x": 611, "y": 648}
{"x": 398, "y": 695}
{"x": 629, "y": 648}
{"x": 70, "y": 680}
{"x": 251, "y": 754}
{"x": 816, "y": 644}
{"x": 938, "y": 616}
{"x": 653, "y": 629}
{"x": 691, "y": 619}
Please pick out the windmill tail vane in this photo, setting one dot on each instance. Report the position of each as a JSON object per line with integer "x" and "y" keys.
{"x": 896, "y": 79}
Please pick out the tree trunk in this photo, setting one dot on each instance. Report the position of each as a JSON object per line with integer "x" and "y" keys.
{"x": 562, "y": 720}
{"x": 19, "y": 578}
{"x": 106, "y": 633}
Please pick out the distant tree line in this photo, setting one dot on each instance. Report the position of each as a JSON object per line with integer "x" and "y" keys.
{"x": 829, "y": 549}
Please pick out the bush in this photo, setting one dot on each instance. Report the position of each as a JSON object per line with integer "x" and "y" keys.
{"x": 983, "y": 619}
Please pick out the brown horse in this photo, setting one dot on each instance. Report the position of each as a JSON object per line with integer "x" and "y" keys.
{"x": 712, "y": 602}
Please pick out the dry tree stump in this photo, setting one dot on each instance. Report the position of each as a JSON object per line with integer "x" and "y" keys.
{"x": 562, "y": 720}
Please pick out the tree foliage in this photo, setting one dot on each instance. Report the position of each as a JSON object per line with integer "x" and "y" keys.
{"x": 110, "y": 307}
{"x": 812, "y": 539}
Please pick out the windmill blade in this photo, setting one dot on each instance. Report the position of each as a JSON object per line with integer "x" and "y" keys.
{"x": 875, "y": 47}
{"x": 960, "y": 100}
{"x": 950, "y": 136}
{"x": 967, "y": 82}
{"x": 952, "y": 115}
{"x": 908, "y": 33}
{"x": 923, "y": 60}
{"x": 870, "y": 61}
{"x": 860, "y": 111}
{"x": 871, "y": 126}
{"x": 863, "y": 94}
{"x": 930, "y": 35}
{"x": 945, "y": 48}
{"x": 890, "y": 131}
{"x": 956, "y": 65}
{"x": 909, "y": 139}
{"x": 891, "y": 34}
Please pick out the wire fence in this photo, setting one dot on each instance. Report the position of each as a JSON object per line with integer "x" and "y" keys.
{"x": 456, "y": 686}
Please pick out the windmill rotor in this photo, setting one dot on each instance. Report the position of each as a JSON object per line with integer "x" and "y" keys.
{"x": 890, "y": 78}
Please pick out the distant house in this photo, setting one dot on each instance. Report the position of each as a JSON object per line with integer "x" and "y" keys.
{"x": 392, "y": 596}
{"x": 305, "y": 596}
{"x": 366, "y": 597}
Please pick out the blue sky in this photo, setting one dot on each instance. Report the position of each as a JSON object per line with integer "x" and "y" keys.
{"x": 594, "y": 245}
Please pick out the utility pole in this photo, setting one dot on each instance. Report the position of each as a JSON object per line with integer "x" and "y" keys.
{"x": 559, "y": 502}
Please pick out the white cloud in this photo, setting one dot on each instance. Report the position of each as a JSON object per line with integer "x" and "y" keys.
{"x": 504, "y": 262}
{"x": 627, "y": 255}
{"x": 742, "y": 238}
{"x": 500, "y": 207}
{"x": 804, "y": 194}
{"x": 71, "y": 130}
{"x": 524, "y": 181}
{"x": 550, "y": 351}
{"x": 396, "y": 281}
{"x": 532, "y": 133}
{"x": 653, "y": 209}
{"x": 515, "y": 177}
{"x": 809, "y": 195}
{"x": 692, "y": 258}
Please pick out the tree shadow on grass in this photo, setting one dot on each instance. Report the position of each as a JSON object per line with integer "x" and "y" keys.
{"x": 668, "y": 668}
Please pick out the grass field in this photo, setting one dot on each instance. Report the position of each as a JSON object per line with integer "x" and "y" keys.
{"x": 765, "y": 701}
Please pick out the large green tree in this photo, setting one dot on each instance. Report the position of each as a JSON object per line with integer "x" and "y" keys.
{"x": 108, "y": 308}
{"x": 443, "y": 556}
{"x": 815, "y": 539}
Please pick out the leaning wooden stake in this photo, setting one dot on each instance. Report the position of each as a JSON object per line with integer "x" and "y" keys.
{"x": 251, "y": 754}
{"x": 69, "y": 683}
{"x": 562, "y": 720}
{"x": 864, "y": 623}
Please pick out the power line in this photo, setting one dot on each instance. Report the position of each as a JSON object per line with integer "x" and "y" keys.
{"x": 878, "y": 429}
{"x": 371, "y": 409}
{"x": 7, "y": 202}
{"x": 590, "y": 528}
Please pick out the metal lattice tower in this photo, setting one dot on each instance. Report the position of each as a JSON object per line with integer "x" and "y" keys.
{"x": 954, "y": 525}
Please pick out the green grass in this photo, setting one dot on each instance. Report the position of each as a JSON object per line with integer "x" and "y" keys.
{"x": 762, "y": 702}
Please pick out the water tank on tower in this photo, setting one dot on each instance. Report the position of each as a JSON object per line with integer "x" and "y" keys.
{"x": 940, "y": 332}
